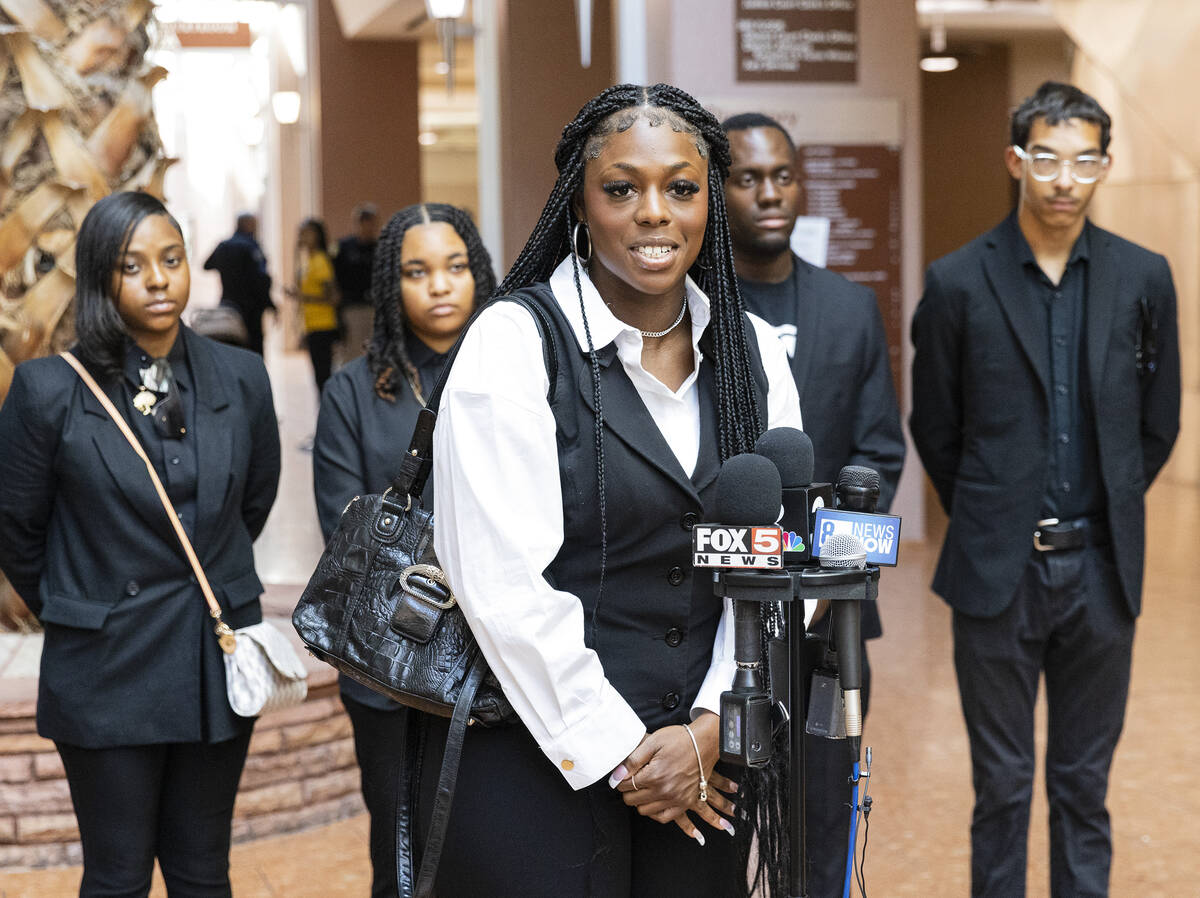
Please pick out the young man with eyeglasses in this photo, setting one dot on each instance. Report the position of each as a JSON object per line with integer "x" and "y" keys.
{"x": 1045, "y": 401}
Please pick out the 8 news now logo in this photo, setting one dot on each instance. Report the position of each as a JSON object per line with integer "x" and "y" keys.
{"x": 738, "y": 547}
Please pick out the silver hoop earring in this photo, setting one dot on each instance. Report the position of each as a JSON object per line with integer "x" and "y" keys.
{"x": 583, "y": 260}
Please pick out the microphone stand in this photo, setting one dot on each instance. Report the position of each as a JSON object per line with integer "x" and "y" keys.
{"x": 791, "y": 587}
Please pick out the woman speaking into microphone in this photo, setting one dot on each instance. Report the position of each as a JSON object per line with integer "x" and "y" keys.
{"x": 564, "y": 526}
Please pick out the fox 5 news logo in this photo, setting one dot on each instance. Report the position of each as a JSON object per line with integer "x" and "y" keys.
{"x": 737, "y": 547}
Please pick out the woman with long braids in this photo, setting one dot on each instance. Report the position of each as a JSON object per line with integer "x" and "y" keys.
{"x": 564, "y": 525}
{"x": 430, "y": 272}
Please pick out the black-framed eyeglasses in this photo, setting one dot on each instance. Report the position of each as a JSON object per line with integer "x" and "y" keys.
{"x": 1047, "y": 166}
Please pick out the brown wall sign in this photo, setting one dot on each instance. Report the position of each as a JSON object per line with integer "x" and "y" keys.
{"x": 857, "y": 187}
{"x": 213, "y": 34}
{"x": 797, "y": 40}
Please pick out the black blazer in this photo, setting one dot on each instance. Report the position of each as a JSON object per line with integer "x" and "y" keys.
{"x": 981, "y": 406}
{"x": 840, "y": 365}
{"x": 357, "y": 449}
{"x": 129, "y": 656}
{"x": 841, "y": 369}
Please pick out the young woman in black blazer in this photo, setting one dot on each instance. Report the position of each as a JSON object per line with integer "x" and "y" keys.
{"x": 132, "y": 683}
{"x": 563, "y": 525}
{"x": 430, "y": 272}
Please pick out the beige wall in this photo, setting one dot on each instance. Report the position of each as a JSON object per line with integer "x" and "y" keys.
{"x": 1141, "y": 60}
{"x": 542, "y": 87}
{"x": 367, "y": 133}
{"x": 883, "y": 107}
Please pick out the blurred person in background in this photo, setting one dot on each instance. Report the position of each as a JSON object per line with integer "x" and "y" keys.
{"x": 245, "y": 284}
{"x": 316, "y": 290}
{"x": 352, "y": 269}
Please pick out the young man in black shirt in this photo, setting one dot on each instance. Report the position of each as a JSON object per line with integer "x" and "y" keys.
{"x": 1045, "y": 400}
{"x": 833, "y": 333}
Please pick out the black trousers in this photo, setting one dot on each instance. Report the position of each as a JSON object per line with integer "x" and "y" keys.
{"x": 517, "y": 830}
{"x": 172, "y": 802}
{"x": 379, "y": 738}
{"x": 320, "y": 350}
{"x": 1069, "y": 621}
{"x": 827, "y": 768}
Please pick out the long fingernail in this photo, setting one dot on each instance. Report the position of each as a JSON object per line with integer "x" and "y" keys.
{"x": 699, "y": 837}
{"x": 733, "y": 787}
{"x": 617, "y": 775}
{"x": 727, "y": 826}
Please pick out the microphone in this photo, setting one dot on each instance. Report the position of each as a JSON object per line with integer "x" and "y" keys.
{"x": 748, "y": 496}
{"x": 858, "y": 488}
{"x": 792, "y": 452}
{"x": 844, "y": 551}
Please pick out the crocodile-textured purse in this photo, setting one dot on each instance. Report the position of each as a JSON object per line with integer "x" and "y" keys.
{"x": 380, "y": 610}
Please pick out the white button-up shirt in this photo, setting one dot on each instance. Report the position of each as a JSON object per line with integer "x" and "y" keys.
{"x": 498, "y": 500}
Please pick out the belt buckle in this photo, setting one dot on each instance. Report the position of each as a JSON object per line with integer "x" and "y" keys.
{"x": 1037, "y": 534}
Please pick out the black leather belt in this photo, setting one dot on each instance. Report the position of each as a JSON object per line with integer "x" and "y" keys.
{"x": 1053, "y": 535}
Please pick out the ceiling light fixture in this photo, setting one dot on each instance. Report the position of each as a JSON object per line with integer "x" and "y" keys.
{"x": 446, "y": 14}
{"x": 285, "y": 104}
{"x": 939, "y": 64}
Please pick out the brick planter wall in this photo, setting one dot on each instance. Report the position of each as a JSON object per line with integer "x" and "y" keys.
{"x": 301, "y": 772}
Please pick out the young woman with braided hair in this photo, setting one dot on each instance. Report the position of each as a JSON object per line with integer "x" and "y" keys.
{"x": 564, "y": 524}
{"x": 430, "y": 272}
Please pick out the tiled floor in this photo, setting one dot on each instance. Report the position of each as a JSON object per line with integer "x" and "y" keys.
{"x": 921, "y": 783}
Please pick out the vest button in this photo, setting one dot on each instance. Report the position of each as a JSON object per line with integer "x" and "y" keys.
{"x": 689, "y": 520}
{"x": 675, "y": 576}
{"x": 670, "y": 701}
{"x": 132, "y": 588}
{"x": 674, "y": 637}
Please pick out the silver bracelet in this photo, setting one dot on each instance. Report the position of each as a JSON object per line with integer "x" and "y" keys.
{"x": 699, "y": 763}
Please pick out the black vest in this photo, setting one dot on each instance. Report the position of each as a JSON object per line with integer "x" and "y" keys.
{"x": 657, "y": 619}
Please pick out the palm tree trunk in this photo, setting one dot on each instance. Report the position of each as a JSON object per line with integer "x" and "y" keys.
{"x": 76, "y": 124}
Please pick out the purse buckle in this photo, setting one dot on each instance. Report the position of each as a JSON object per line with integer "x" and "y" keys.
{"x": 433, "y": 573}
{"x": 226, "y": 638}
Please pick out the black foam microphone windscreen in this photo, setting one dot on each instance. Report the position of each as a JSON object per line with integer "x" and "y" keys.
{"x": 792, "y": 452}
{"x": 748, "y": 491}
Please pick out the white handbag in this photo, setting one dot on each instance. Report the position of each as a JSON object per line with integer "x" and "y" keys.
{"x": 263, "y": 673}
{"x": 262, "y": 670}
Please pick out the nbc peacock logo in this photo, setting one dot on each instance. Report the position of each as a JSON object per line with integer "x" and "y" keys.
{"x": 793, "y": 542}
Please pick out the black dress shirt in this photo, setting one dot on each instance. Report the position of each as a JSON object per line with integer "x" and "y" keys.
{"x": 173, "y": 457}
{"x": 1073, "y": 488}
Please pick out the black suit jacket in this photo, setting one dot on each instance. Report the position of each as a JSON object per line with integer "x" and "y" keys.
{"x": 129, "y": 656}
{"x": 981, "y": 406}
{"x": 840, "y": 365}
{"x": 357, "y": 449}
{"x": 245, "y": 284}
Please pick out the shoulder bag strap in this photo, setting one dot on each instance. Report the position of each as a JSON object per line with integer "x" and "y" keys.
{"x": 440, "y": 817}
{"x": 418, "y": 460}
{"x": 225, "y": 635}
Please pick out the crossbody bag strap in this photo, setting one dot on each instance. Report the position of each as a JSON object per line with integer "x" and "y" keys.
{"x": 418, "y": 460}
{"x": 225, "y": 635}
{"x": 440, "y": 817}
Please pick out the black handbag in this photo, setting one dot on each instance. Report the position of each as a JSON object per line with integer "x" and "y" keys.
{"x": 379, "y": 609}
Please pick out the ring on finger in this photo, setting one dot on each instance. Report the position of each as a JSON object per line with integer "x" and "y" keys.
{"x": 633, "y": 779}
